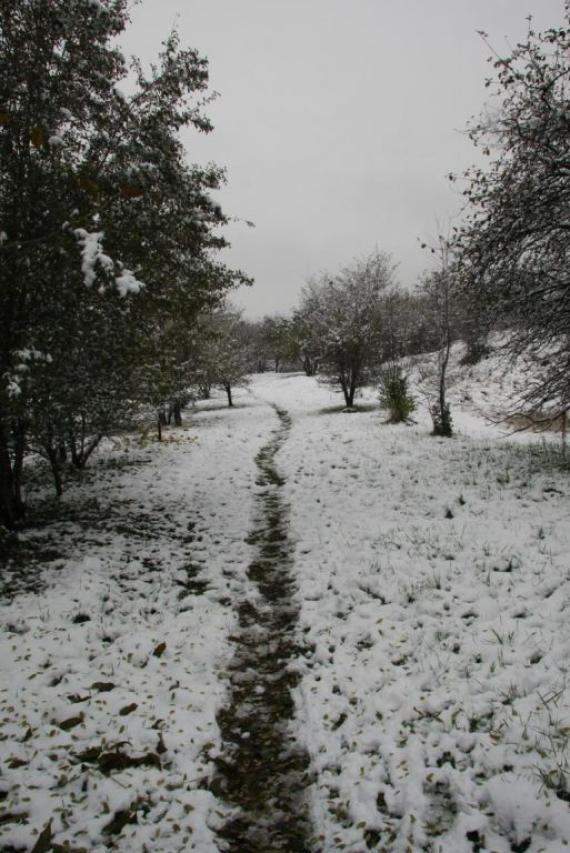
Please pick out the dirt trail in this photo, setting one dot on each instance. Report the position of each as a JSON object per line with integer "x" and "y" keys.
{"x": 263, "y": 772}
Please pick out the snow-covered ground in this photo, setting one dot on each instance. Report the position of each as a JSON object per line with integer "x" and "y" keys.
{"x": 110, "y": 676}
{"x": 433, "y": 581}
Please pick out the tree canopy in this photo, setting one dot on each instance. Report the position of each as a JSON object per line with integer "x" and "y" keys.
{"x": 108, "y": 235}
{"x": 513, "y": 250}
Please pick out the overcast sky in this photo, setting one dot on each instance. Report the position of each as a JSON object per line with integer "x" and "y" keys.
{"x": 337, "y": 121}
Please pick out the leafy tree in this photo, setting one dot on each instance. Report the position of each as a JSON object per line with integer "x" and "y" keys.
{"x": 257, "y": 345}
{"x": 58, "y": 71}
{"x": 107, "y": 235}
{"x": 276, "y": 330}
{"x": 304, "y": 346}
{"x": 223, "y": 356}
{"x": 343, "y": 314}
{"x": 515, "y": 243}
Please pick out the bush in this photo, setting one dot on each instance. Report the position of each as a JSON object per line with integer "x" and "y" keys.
{"x": 395, "y": 396}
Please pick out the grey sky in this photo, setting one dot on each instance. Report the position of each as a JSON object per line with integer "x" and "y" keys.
{"x": 338, "y": 121}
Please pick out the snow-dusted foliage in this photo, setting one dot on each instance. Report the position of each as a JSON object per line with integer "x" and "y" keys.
{"x": 342, "y": 316}
{"x": 221, "y": 356}
{"x": 514, "y": 247}
{"x": 108, "y": 243}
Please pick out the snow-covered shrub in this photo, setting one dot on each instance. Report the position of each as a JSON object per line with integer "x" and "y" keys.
{"x": 395, "y": 395}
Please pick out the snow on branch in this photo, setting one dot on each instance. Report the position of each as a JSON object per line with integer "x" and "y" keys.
{"x": 22, "y": 359}
{"x": 94, "y": 258}
{"x": 92, "y": 255}
{"x": 127, "y": 282}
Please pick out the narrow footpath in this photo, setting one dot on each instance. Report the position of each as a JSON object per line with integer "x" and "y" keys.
{"x": 262, "y": 771}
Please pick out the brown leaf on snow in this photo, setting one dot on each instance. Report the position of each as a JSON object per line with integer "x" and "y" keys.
{"x": 13, "y": 817}
{"x": 115, "y": 759}
{"x": 43, "y": 844}
{"x": 75, "y": 698}
{"x": 71, "y": 722}
{"x": 119, "y": 821}
{"x": 103, "y": 686}
{"x": 160, "y": 650}
{"x": 14, "y": 763}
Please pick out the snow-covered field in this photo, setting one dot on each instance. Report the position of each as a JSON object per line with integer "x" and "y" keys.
{"x": 433, "y": 581}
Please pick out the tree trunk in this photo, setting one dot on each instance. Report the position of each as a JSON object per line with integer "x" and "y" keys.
{"x": 348, "y": 384}
{"x": 352, "y": 389}
{"x": 177, "y": 412}
{"x": 18, "y": 466}
{"x": 159, "y": 427}
{"x": 53, "y": 456}
{"x": 309, "y": 366}
{"x": 12, "y": 507}
{"x": 444, "y": 427}
{"x": 229, "y": 393}
{"x": 345, "y": 390}
{"x": 80, "y": 460}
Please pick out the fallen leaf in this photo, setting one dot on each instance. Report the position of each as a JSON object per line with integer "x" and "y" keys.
{"x": 43, "y": 844}
{"x": 14, "y": 763}
{"x": 160, "y": 649}
{"x": 71, "y": 722}
{"x": 103, "y": 686}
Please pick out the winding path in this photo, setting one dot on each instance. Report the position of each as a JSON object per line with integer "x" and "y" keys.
{"x": 262, "y": 771}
